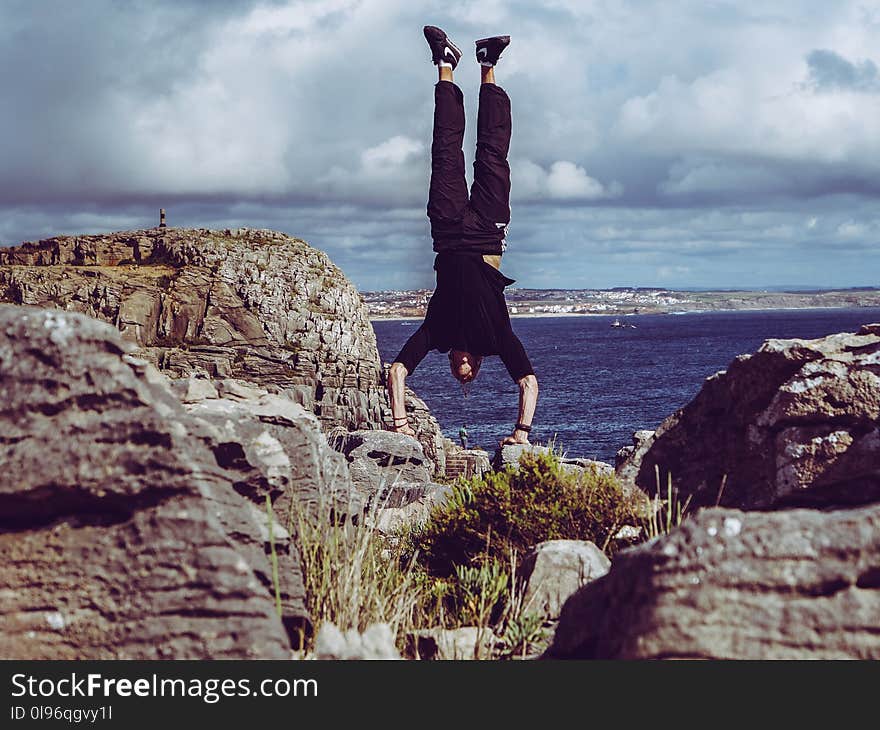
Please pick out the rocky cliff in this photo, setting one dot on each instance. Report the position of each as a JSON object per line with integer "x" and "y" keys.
{"x": 251, "y": 304}
{"x": 796, "y": 423}
{"x": 131, "y": 529}
{"x": 789, "y": 435}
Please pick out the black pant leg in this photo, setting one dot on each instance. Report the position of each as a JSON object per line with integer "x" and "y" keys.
{"x": 514, "y": 357}
{"x": 415, "y": 349}
{"x": 448, "y": 194}
{"x": 490, "y": 192}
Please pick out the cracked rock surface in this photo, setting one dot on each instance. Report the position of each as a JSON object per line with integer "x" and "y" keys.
{"x": 797, "y": 423}
{"x": 251, "y": 304}
{"x": 120, "y": 534}
{"x": 726, "y": 584}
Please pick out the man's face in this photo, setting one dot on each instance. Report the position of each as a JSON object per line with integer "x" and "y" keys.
{"x": 464, "y": 366}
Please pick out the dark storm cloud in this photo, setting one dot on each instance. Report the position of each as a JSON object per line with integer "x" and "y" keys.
{"x": 673, "y": 143}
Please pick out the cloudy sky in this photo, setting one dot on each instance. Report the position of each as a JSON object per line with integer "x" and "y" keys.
{"x": 677, "y": 143}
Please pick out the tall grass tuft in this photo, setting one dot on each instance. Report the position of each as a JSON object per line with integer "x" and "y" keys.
{"x": 664, "y": 515}
{"x": 354, "y": 575}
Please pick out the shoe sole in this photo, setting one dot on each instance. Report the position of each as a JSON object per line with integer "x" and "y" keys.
{"x": 505, "y": 38}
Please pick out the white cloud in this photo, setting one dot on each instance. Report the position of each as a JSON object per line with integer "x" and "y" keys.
{"x": 751, "y": 112}
{"x": 702, "y": 177}
{"x": 851, "y": 229}
{"x": 669, "y": 133}
{"x": 390, "y": 154}
{"x": 296, "y": 16}
{"x": 563, "y": 181}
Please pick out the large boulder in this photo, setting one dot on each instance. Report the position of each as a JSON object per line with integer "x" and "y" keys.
{"x": 555, "y": 569}
{"x": 273, "y": 446}
{"x": 379, "y": 459}
{"x": 251, "y": 304}
{"x": 791, "y": 584}
{"x": 122, "y": 537}
{"x": 795, "y": 424}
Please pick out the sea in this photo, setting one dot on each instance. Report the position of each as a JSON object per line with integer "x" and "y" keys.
{"x": 597, "y": 383}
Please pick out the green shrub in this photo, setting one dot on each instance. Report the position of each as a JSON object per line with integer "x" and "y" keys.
{"x": 478, "y": 590}
{"x": 513, "y": 510}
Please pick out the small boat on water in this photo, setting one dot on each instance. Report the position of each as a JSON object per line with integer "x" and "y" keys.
{"x": 617, "y": 324}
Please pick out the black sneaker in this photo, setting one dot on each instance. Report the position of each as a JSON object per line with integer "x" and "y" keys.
{"x": 443, "y": 50}
{"x": 489, "y": 49}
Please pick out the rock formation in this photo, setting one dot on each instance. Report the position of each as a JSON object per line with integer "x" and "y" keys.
{"x": 792, "y": 584}
{"x": 510, "y": 454}
{"x": 251, "y": 304}
{"x": 406, "y": 505}
{"x": 122, "y": 536}
{"x": 270, "y": 445}
{"x": 555, "y": 569}
{"x": 796, "y": 423}
{"x": 379, "y": 459}
{"x": 254, "y": 305}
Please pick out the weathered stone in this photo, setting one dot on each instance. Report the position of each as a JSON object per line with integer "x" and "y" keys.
{"x": 406, "y": 504}
{"x": 555, "y": 569}
{"x": 792, "y": 584}
{"x": 273, "y": 446}
{"x": 641, "y": 442}
{"x": 121, "y": 535}
{"x": 198, "y": 389}
{"x": 467, "y": 463}
{"x": 796, "y": 423}
{"x": 239, "y": 390}
{"x": 377, "y": 642}
{"x": 250, "y": 304}
{"x": 378, "y": 459}
{"x": 509, "y": 455}
{"x": 468, "y": 642}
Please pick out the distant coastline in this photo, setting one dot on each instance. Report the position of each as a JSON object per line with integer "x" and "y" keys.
{"x": 622, "y": 302}
{"x": 555, "y": 315}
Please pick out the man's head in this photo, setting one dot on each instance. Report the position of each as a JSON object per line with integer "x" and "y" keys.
{"x": 464, "y": 366}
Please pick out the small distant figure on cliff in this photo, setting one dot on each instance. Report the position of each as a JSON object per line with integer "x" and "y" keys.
{"x": 463, "y": 436}
{"x": 467, "y": 315}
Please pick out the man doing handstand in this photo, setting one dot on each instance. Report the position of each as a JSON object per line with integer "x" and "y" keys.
{"x": 467, "y": 315}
